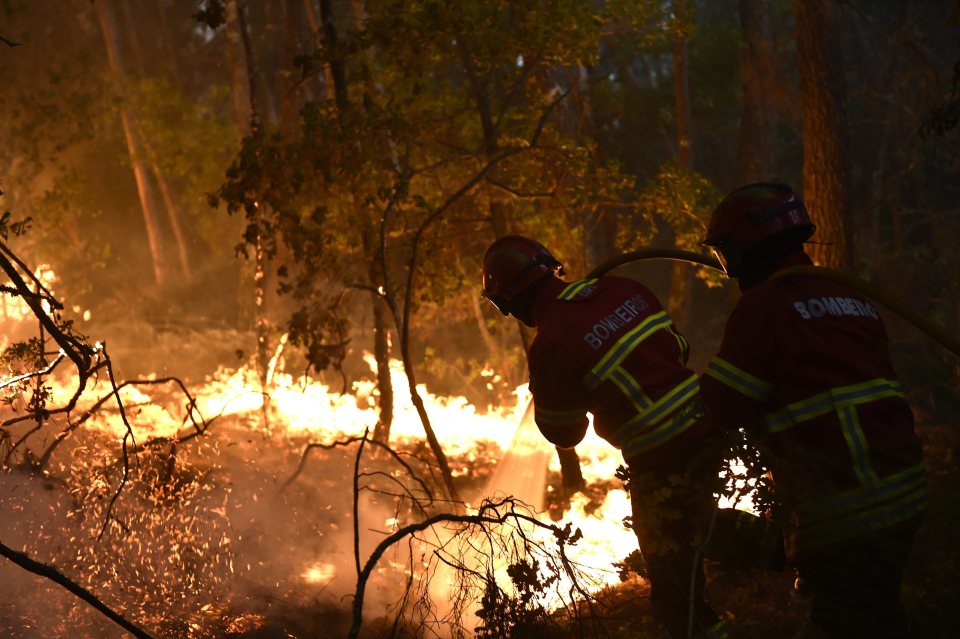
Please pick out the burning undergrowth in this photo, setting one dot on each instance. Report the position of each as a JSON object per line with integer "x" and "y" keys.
{"x": 237, "y": 517}
{"x": 241, "y": 507}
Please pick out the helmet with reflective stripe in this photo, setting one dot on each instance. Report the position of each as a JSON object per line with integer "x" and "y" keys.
{"x": 511, "y": 265}
{"x": 757, "y": 212}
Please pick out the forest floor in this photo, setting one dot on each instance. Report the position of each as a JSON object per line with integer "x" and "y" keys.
{"x": 756, "y": 604}
{"x": 251, "y": 538}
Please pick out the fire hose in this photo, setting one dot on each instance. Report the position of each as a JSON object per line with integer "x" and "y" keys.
{"x": 898, "y": 306}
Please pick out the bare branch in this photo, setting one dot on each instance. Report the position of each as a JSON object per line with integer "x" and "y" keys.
{"x": 49, "y": 369}
{"x": 127, "y": 436}
{"x": 54, "y": 575}
{"x": 347, "y": 442}
{"x": 488, "y": 513}
{"x": 356, "y": 501}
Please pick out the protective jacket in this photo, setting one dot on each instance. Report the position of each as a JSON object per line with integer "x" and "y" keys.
{"x": 804, "y": 365}
{"x": 606, "y": 346}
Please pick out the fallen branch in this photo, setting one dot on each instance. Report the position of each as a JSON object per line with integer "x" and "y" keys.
{"x": 347, "y": 442}
{"x": 193, "y": 414}
{"x": 51, "y": 573}
{"x": 128, "y": 435}
{"x": 487, "y": 514}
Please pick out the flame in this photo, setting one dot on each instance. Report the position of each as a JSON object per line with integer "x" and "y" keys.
{"x": 301, "y": 409}
{"x": 319, "y": 573}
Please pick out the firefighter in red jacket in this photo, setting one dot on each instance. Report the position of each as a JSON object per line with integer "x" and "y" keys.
{"x": 606, "y": 346}
{"x": 804, "y": 368}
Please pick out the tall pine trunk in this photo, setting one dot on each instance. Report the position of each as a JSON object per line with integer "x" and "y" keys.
{"x": 240, "y": 81}
{"x": 170, "y": 208}
{"x": 108, "y": 26}
{"x": 755, "y": 158}
{"x": 825, "y": 159}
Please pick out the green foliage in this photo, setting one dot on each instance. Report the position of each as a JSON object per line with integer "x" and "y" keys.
{"x": 683, "y": 200}
{"x": 520, "y": 615}
{"x": 451, "y": 120}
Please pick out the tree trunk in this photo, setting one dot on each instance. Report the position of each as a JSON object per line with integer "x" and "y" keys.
{"x": 243, "y": 63}
{"x": 288, "y": 77}
{"x": 755, "y": 162}
{"x": 381, "y": 336}
{"x": 166, "y": 195}
{"x": 678, "y": 306}
{"x": 381, "y": 352}
{"x": 172, "y": 66}
{"x": 825, "y": 159}
{"x": 240, "y": 77}
{"x": 337, "y": 70}
{"x": 108, "y": 27}
{"x": 315, "y": 27}
{"x": 173, "y": 217}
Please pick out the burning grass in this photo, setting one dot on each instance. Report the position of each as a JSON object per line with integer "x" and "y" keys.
{"x": 239, "y": 530}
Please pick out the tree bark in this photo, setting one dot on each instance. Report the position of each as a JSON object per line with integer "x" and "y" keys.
{"x": 173, "y": 217}
{"x": 825, "y": 156}
{"x": 240, "y": 78}
{"x": 172, "y": 66}
{"x": 337, "y": 70}
{"x": 243, "y": 63}
{"x": 381, "y": 352}
{"x": 381, "y": 338}
{"x": 314, "y": 23}
{"x": 288, "y": 78}
{"x": 166, "y": 195}
{"x": 108, "y": 26}
{"x": 755, "y": 162}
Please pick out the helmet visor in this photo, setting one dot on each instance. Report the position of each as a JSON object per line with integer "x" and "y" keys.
{"x": 500, "y": 303}
{"x": 730, "y": 257}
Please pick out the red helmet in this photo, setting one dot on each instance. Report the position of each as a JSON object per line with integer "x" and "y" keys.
{"x": 757, "y": 212}
{"x": 512, "y": 264}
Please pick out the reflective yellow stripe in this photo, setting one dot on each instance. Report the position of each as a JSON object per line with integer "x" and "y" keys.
{"x": 738, "y": 379}
{"x": 834, "y": 399}
{"x": 682, "y": 342}
{"x": 883, "y": 515}
{"x": 571, "y": 291}
{"x": 889, "y": 489}
{"x": 675, "y": 398}
{"x": 857, "y": 443}
{"x": 573, "y": 417}
{"x": 624, "y": 346}
{"x": 674, "y": 412}
{"x": 626, "y": 383}
{"x": 669, "y": 429}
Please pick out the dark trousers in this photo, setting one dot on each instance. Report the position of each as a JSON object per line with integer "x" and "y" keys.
{"x": 855, "y": 586}
{"x": 672, "y": 505}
